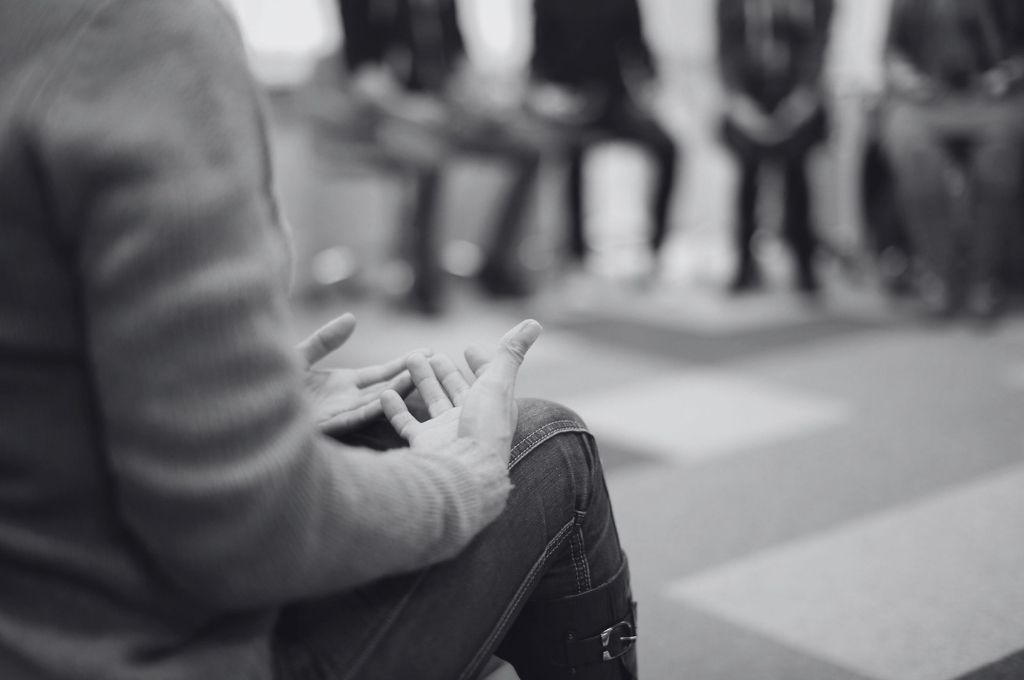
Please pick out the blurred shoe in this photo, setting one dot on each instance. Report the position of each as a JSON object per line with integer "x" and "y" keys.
{"x": 895, "y": 271}
{"x": 807, "y": 281}
{"x": 937, "y": 297}
{"x": 747, "y": 279}
{"x": 425, "y": 296}
{"x": 985, "y": 301}
{"x": 649, "y": 276}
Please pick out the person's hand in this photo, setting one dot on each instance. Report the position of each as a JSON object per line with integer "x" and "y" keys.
{"x": 557, "y": 103}
{"x": 374, "y": 84}
{"x": 646, "y": 94}
{"x": 442, "y": 388}
{"x": 642, "y": 85}
{"x": 480, "y": 406}
{"x": 997, "y": 82}
{"x": 798, "y": 108}
{"x": 344, "y": 399}
{"x": 905, "y": 81}
{"x": 489, "y": 412}
{"x": 754, "y": 122}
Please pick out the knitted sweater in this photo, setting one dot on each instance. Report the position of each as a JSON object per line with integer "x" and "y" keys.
{"x": 163, "y": 489}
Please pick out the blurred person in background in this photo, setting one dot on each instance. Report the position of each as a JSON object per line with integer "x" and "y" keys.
{"x": 953, "y": 130}
{"x": 413, "y": 93}
{"x": 771, "y": 54}
{"x": 594, "y": 79}
{"x": 170, "y": 505}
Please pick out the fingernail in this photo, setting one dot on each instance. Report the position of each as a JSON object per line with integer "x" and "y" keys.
{"x": 531, "y": 326}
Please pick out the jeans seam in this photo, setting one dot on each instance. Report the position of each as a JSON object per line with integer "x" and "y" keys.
{"x": 550, "y": 548}
{"x": 574, "y": 551}
{"x": 579, "y": 555}
{"x": 539, "y": 436}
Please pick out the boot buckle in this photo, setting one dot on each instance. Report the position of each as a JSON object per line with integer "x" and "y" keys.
{"x": 617, "y": 640}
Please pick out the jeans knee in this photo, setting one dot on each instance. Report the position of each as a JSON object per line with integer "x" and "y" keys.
{"x": 553, "y": 444}
{"x": 540, "y": 422}
{"x": 538, "y": 414}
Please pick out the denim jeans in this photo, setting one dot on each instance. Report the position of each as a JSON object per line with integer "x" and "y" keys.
{"x": 556, "y": 539}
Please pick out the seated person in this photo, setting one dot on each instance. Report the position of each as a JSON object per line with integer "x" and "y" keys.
{"x": 593, "y": 78}
{"x": 170, "y": 506}
{"x": 953, "y": 130}
{"x": 418, "y": 100}
{"x": 771, "y": 54}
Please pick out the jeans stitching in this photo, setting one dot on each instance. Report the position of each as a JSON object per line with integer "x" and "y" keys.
{"x": 584, "y": 563}
{"x": 550, "y": 548}
{"x": 574, "y": 551}
{"x": 540, "y": 435}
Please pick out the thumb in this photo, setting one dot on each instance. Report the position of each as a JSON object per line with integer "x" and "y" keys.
{"x": 516, "y": 343}
{"x": 327, "y": 339}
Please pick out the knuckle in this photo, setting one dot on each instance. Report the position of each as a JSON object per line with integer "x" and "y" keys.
{"x": 516, "y": 350}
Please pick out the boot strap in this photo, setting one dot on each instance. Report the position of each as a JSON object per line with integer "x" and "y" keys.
{"x": 608, "y": 645}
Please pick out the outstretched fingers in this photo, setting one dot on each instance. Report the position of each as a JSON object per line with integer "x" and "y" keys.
{"x": 350, "y": 420}
{"x": 397, "y": 413}
{"x": 382, "y": 372}
{"x": 429, "y": 386}
{"x": 454, "y": 383}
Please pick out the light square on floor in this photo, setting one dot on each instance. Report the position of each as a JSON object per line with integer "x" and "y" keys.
{"x": 925, "y": 592}
{"x": 693, "y": 415}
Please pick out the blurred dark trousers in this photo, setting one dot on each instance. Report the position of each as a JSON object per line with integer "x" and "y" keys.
{"x": 421, "y": 153}
{"x": 628, "y": 122}
{"x": 554, "y": 542}
{"x": 791, "y": 154}
{"x": 950, "y": 203}
{"x": 494, "y": 140}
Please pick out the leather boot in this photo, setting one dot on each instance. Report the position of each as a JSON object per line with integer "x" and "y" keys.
{"x": 590, "y": 636}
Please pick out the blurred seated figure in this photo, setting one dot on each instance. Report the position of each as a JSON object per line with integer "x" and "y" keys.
{"x": 771, "y": 55}
{"x": 410, "y": 91}
{"x": 953, "y": 131}
{"x": 594, "y": 77}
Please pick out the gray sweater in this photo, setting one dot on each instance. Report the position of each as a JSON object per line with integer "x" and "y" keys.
{"x": 163, "y": 489}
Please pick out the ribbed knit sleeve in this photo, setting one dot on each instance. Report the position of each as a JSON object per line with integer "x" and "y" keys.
{"x": 150, "y": 141}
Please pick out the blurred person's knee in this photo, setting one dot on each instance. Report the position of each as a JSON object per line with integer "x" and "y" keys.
{"x": 906, "y": 134}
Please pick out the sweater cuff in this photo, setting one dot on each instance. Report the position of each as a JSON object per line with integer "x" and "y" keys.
{"x": 478, "y": 481}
